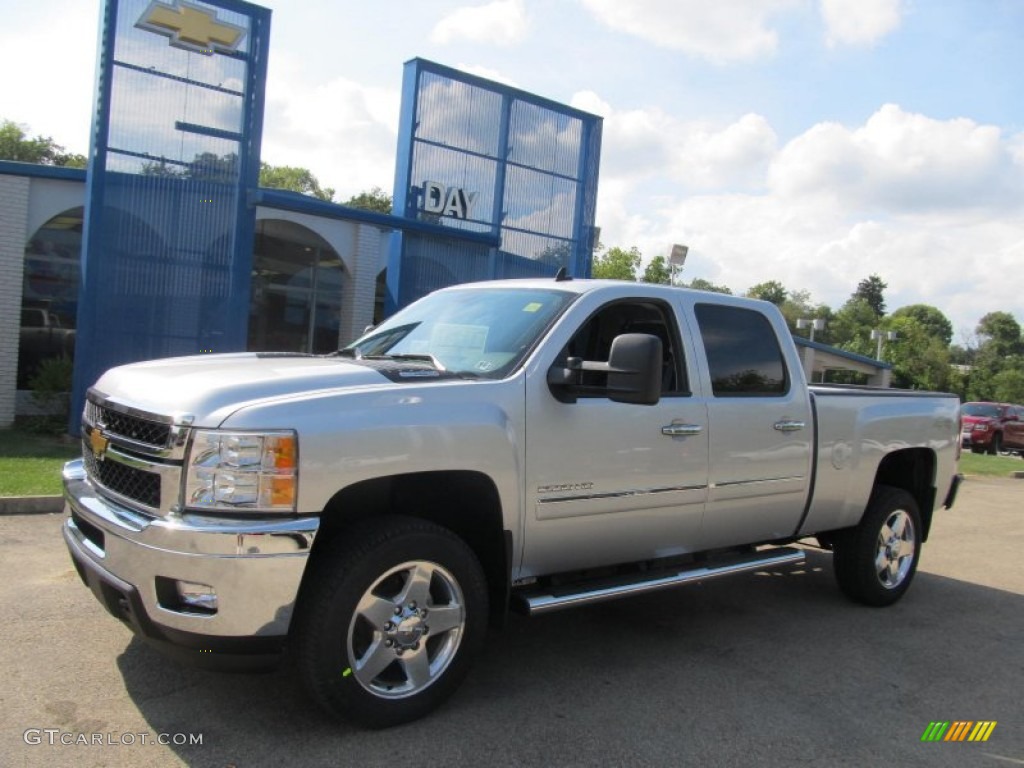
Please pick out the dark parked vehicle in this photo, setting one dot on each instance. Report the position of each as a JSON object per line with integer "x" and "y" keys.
{"x": 42, "y": 337}
{"x": 992, "y": 427}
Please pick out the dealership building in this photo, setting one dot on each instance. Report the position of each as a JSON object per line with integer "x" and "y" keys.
{"x": 168, "y": 246}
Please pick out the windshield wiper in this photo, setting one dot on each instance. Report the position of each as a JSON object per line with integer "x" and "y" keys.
{"x": 415, "y": 356}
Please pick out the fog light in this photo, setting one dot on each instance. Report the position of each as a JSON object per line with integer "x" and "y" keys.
{"x": 201, "y": 597}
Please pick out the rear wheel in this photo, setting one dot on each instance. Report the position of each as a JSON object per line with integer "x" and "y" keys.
{"x": 876, "y": 561}
{"x": 392, "y": 614}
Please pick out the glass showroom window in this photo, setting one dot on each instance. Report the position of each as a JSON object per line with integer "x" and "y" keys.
{"x": 49, "y": 299}
{"x": 296, "y": 290}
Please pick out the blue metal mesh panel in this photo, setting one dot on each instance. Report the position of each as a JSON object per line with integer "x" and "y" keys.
{"x": 545, "y": 139}
{"x": 529, "y": 165}
{"x": 462, "y": 170}
{"x": 168, "y": 234}
{"x": 459, "y": 115}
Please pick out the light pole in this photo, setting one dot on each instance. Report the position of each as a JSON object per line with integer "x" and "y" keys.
{"x": 676, "y": 259}
{"x": 814, "y": 323}
{"x": 879, "y": 335}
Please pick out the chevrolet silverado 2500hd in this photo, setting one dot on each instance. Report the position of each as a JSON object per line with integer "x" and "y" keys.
{"x": 517, "y": 444}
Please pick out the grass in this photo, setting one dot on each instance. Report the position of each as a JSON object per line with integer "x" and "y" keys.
{"x": 983, "y": 464}
{"x": 30, "y": 463}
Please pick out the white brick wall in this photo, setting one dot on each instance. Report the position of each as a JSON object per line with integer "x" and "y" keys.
{"x": 14, "y": 192}
{"x": 360, "y": 287}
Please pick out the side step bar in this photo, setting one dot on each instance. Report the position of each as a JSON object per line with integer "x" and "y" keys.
{"x": 548, "y": 599}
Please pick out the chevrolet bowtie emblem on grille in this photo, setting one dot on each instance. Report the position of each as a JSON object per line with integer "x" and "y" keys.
{"x": 98, "y": 443}
{"x": 190, "y": 27}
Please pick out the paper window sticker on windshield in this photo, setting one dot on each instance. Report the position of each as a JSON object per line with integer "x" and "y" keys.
{"x": 533, "y": 306}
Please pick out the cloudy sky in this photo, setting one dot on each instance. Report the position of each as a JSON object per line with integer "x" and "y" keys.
{"x": 814, "y": 142}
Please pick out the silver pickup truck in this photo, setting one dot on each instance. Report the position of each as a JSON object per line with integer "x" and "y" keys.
{"x": 532, "y": 445}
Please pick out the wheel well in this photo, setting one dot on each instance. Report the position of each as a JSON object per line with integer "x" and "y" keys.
{"x": 913, "y": 470}
{"x": 466, "y": 503}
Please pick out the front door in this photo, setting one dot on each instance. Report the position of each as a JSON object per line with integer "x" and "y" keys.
{"x": 612, "y": 482}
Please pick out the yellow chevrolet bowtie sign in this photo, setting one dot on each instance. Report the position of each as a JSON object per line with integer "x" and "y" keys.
{"x": 191, "y": 27}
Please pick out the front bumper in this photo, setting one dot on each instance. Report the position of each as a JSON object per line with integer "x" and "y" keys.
{"x": 129, "y": 560}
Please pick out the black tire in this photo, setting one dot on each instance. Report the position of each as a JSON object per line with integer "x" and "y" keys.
{"x": 996, "y": 445}
{"x": 977, "y": 449}
{"x": 875, "y": 562}
{"x": 366, "y": 650}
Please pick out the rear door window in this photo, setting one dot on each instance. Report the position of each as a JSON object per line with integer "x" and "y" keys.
{"x": 744, "y": 356}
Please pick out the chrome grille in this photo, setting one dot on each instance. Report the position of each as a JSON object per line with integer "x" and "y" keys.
{"x": 129, "y": 482}
{"x": 132, "y": 427}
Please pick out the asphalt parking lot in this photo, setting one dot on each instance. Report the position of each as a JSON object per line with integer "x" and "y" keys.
{"x": 764, "y": 669}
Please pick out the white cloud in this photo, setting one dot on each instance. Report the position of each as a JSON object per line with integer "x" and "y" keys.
{"x": 49, "y": 70}
{"x": 502, "y": 22}
{"x": 720, "y": 31}
{"x": 921, "y": 202}
{"x": 695, "y": 155}
{"x": 862, "y": 22}
{"x": 345, "y": 132}
{"x": 906, "y": 162}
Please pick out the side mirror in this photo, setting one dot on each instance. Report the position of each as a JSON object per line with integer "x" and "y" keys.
{"x": 633, "y": 368}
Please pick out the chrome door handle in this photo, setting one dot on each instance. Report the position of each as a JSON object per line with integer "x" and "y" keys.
{"x": 682, "y": 430}
{"x": 788, "y": 425}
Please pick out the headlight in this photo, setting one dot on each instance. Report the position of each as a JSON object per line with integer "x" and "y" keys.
{"x": 981, "y": 427}
{"x": 251, "y": 471}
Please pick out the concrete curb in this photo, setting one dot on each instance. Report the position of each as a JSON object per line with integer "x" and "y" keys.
{"x": 31, "y": 505}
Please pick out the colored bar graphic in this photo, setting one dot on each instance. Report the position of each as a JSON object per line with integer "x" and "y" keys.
{"x": 982, "y": 730}
{"x": 935, "y": 731}
{"x": 959, "y": 730}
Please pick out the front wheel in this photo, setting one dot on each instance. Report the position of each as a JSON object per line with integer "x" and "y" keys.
{"x": 392, "y": 613}
{"x": 875, "y": 562}
{"x": 996, "y": 446}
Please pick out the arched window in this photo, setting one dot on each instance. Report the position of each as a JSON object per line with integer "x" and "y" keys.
{"x": 296, "y": 290}
{"x": 49, "y": 298}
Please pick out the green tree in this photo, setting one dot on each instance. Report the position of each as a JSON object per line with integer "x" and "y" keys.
{"x": 798, "y": 306}
{"x": 999, "y": 349}
{"x": 934, "y": 323}
{"x": 375, "y": 200}
{"x": 700, "y": 284}
{"x": 1000, "y": 332}
{"x": 920, "y": 359}
{"x": 872, "y": 291}
{"x": 42, "y": 150}
{"x": 850, "y": 327}
{"x": 1008, "y": 386}
{"x": 772, "y": 291}
{"x": 657, "y": 271}
{"x": 295, "y": 179}
{"x": 617, "y": 264}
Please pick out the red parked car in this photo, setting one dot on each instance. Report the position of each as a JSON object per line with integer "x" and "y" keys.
{"x": 992, "y": 427}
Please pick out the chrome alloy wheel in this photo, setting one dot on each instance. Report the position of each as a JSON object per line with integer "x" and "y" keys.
{"x": 406, "y": 629}
{"x": 897, "y": 542}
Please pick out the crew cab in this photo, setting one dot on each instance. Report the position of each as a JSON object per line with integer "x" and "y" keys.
{"x": 531, "y": 445}
{"x": 992, "y": 427}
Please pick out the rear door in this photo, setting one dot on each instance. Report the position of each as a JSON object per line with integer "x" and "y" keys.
{"x": 759, "y": 424}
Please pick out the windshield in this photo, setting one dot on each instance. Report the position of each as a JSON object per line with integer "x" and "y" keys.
{"x": 484, "y": 332}
{"x": 981, "y": 409}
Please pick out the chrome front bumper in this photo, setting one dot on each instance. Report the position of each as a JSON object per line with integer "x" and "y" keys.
{"x": 131, "y": 562}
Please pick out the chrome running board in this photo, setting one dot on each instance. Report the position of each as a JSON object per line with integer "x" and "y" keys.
{"x": 544, "y": 600}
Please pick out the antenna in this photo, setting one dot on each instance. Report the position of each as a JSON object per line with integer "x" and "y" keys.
{"x": 562, "y": 275}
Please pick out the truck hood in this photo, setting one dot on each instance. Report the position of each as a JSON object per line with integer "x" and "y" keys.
{"x": 211, "y": 387}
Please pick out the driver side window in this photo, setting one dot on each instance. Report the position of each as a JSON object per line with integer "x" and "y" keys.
{"x": 593, "y": 341}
